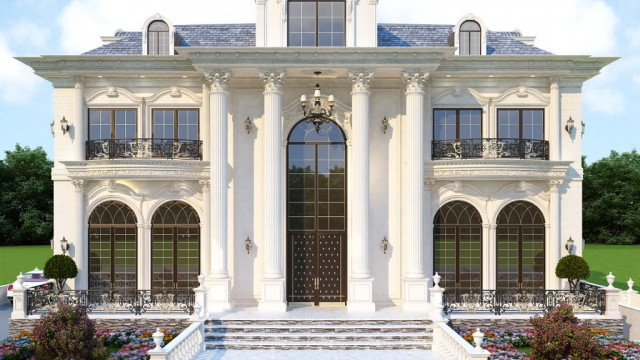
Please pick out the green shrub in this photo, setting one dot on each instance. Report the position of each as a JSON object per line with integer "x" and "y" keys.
{"x": 67, "y": 333}
{"x": 60, "y": 268}
{"x": 573, "y": 268}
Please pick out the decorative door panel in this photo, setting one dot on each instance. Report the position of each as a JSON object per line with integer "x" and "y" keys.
{"x": 303, "y": 268}
{"x": 332, "y": 283}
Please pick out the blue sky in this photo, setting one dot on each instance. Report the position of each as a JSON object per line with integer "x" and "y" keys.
{"x": 569, "y": 27}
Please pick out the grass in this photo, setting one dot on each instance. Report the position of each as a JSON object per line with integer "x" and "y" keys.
{"x": 15, "y": 259}
{"x": 621, "y": 260}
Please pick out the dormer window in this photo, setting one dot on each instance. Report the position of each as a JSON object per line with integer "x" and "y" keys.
{"x": 158, "y": 38}
{"x": 316, "y": 23}
{"x": 470, "y": 38}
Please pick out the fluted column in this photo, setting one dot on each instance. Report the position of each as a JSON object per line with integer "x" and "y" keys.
{"x": 555, "y": 241}
{"x": 79, "y": 125}
{"x": 360, "y": 284}
{"x": 554, "y": 121}
{"x": 273, "y": 281}
{"x": 79, "y": 252}
{"x": 205, "y": 250}
{"x": 413, "y": 239}
{"x": 429, "y": 185}
{"x": 219, "y": 282}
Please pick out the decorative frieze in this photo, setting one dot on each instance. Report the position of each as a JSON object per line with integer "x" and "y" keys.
{"x": 272, "y": 80}
{"x": 217, "y": 81}
{"x": 360, "y": 80}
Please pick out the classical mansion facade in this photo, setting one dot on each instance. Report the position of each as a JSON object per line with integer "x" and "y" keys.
{"x": 317, "y": 157}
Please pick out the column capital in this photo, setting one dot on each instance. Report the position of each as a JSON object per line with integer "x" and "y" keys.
{"x": 78, "y": 82}
{"x": 554, "y": 185}
{"x": 205, "y": 185}
{"x": 416, "y": 80}
{"x": 272, "y": 79}
{"x": 360, "y": 80}
{"x": 429, "y": 184}
{"x": 78, "y": 185}
{"x": 217, "y": 80}
{"x": 554, "y": 82}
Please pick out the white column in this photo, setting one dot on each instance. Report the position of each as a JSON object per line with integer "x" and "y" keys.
{"x": 413, "y": 240}
{"x": 428, "y": 213}
{"x": 554, "y": 119}
{"x": 554, "y": 241}
{"x": 205, "y": 235}
{"x": 273, "y": 281}
{"x": 79, "y": 126}
{"x": 360, "y": 283}
{"x": 79, "y": 251}
{"x": 218, "y": 282}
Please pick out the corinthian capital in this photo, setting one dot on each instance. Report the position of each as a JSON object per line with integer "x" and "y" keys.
{"x": 272, "y": 80}
{"x": 78, "y": 185}
{"x": 217, "y": 81}
{"x": 360, "y": 80}
{"x": 416, "y": 80}
{"x": 554, "y": 82}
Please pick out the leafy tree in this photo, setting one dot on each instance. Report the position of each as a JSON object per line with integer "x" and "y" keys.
{"x": 60, "y": 268}
{"x": 611, "y": 199}
{"x": 26, "y": 197}
{"x": 573, "y": 268}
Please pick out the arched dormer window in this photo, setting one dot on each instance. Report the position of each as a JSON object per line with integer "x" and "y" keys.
{"x": 158, "y": 38}
{"x": 470, "y": 40}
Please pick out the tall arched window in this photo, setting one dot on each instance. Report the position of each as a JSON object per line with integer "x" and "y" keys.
{"x": 470, "y": 38}
{"x": 457, "y": 246}
{"x": 112, "y": 247}
{"x": 158, "y": 38}
{"x": 175, "y": 247}
{"x": 520, "y": 237}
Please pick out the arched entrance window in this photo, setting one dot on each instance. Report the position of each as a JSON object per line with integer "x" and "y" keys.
{"x": 175, "y": 247}
{"x": 112, "y": 247}
{"x": 520, "y": 238}
{"x": 316, "y": 213}
{"x": 457, "y": 246}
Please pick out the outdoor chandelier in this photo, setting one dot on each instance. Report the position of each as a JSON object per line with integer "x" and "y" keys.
{"x": 317, "y": 114}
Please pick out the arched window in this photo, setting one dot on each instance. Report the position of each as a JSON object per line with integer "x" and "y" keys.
{"x": 520, "y": 237}
{"x": 457, "y": 246}
{"x": 470, "y": 38}
{"x": 175, "y": 247}
{"x": 158, "y": 38}
{"x": 112, "y": 247}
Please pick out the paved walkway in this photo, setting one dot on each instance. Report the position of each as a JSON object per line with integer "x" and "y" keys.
{"x": 5, "y": 314}
{"x": 318, "y": 355}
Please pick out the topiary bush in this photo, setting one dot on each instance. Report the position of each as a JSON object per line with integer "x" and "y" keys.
{"x": 60, "y": 268}
{"x": 558, "y": 335}
{"x": 67, "y": 333}
{"x": 573, "y": 268}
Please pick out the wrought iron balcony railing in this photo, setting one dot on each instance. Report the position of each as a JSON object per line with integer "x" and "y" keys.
{"x": 135, "y": 302}
{"x": 490, "y": 149}
{"x": 586, "y": 300}
{"x": 144, "y": 149}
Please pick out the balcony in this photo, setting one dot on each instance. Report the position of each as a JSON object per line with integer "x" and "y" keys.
{"x": 490, "y": 149}
{"x": 144, "y": 149}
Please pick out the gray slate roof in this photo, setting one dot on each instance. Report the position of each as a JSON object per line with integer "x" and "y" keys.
{"x": 389, "y": 35}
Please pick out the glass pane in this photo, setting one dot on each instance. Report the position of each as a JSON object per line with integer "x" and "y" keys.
{"x": 463, "y": 43}
{"x": 533, "y": 124}
{"x": 470, "y": 26}
{"x": 445, "y": 124}
{"x": 470, "y": 124}
{"x": 509, "y": 124}
{"x": 301, "y": 179}
{"x": 306, "y": 132}
{"x": 188, "y": 124}
{"x": 474, "y": 43}
{"x": 99, "y": 258}
{"x": 302, "y": 23}
{"x": 470, "y": 261}
{"x": 533, "y": 257}
{"x": 162, "y": 256}
{"x": 188, "y": 257}
{"x": 152, "y": 43}
{"x": 125, "y": 122}
{"x": 444, "y": 255}
{"x": 163, "y": 43}
{"x": 99, "y": 124}
{"x": 507, "y": 257}
{"x": 163, "y": 124}
{"x": 124, "y": 258}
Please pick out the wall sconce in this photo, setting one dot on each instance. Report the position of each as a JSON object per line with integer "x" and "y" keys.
{"x": 570, "y": 125}
{"x": 64, "y": 125}
{"x": 53, "y": 123}
{"x": 248, "y": 245}
{"x": 248, "y": 125}
{"x": 583, "y": 126}
{"x": 64, "y": 245}
{"x": 385, "y": 125}
{"x": 384, "y": 244}
{"x": 570, "y": 245}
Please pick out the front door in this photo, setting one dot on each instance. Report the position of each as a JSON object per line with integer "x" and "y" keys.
{"x": 316, "y": 214}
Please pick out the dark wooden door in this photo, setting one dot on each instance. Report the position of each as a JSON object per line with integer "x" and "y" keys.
{"x": 316, "y": 214}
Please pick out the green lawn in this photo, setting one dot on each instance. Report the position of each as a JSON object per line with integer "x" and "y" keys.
{"x": 622, "y": 260}
{"x": 14, "y": 259}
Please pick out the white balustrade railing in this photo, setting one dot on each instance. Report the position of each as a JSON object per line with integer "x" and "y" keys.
{"x": 185, "y": 346}
{"x": 448, "y": 344}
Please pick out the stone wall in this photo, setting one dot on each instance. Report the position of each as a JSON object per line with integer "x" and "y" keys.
{"x": 18, "y": 325}
{"x": 612, "y": 326}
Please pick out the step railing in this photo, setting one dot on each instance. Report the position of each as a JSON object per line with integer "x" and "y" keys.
{"x": 448, "y": 344}
{"x": 185, "y": 346}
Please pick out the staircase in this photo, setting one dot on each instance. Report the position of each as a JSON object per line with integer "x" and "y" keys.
{"x": 318, "y": 334}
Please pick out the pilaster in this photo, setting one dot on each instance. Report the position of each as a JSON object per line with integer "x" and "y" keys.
{"x": 79, "y": 125}
{"x": 554, "y": 241}
{"x": 79, "y": 251}
{"x": 554, "y": 119}
{"x": 205, "y": 250}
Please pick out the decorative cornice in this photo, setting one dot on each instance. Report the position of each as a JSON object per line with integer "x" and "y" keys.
{"x": 416, "y": 81}
{"x": 217, "y": 81}
{"x": 360, "y": 80}
{"x": 272, "y": 79}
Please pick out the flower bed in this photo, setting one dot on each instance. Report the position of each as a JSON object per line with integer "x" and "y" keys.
{"x": 503, "y": 344}
{"x": 130, "y": 344}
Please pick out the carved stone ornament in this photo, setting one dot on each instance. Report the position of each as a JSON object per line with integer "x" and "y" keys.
{"x": 176, "y": 185}
{"x": 522, "y": 92}
{"x": 416, "y": 81}
{"x": 77, "y": 82}
{"x": 112, "y": 92}
{"x": 78, "y": 185}
{"x": 554, "y": 185}
{"x": 360, "y": 80}
{"x": 521, "y": 186}
{"x": 217, "y": 81}
{"x": 554, "y": 82}
{"x": 111, "y": 186}
{"x": 429, "y": 184}
{"x": 457, "y": 91}
{"x": 350, "y": 10}
{"x": 458, "y": 186}
{"x": 175, "y": 92}
{"x": 272, "y": 80}
{"x": 205, "y": 185}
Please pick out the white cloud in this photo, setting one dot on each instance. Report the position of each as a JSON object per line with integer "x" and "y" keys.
{"x": 632, "y": 36}
{"x": 604, "y": 100}
{"x": 27, "y": 33}
{"x": 18, "y": 81}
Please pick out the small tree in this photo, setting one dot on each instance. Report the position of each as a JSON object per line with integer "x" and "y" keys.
{"x": 573, "y": 268}
{"x": 60, "y": 268}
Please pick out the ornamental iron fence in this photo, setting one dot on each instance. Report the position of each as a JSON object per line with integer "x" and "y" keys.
{"x": 522, "y": 301}
{"x": 490, "y": 149}
{"x": 135, "y": 302}
{"x": 144, "y": 149}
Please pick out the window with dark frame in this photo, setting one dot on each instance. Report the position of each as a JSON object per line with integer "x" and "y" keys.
{"x": 182, "y": 124}
{"x": 457, "y": 124}
{"x": 107, "y": 124}
{"x": 316, "y": 23}
{"x": 525, "y": 124}
{"x": 470, "y": 41}
{"x": 158, "y": 38}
